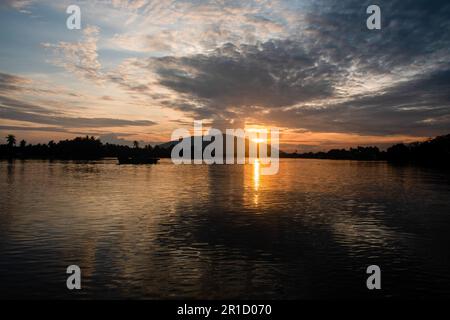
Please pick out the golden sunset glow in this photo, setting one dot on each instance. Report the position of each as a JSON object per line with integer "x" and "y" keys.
{"x": 210, "y": 150}
{"x": 149, "y": 76}
{"x": 260, "y": 133}
{"x": 259, "y": 140}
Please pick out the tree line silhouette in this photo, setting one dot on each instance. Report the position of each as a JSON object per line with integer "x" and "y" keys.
{"x": 432, "y": 151}
{"x": 80, "y": 148}
{"x": 359, "y": 153}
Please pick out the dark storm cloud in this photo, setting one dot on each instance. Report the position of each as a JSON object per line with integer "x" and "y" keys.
{"x": 419, "y": 106}
{"x": 411, "y": 31}
{"x": 272, "y": 74}
{"x": 236, "y": 81}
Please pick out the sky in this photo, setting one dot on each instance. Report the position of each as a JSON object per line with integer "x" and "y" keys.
{"x": 139, "y": 69}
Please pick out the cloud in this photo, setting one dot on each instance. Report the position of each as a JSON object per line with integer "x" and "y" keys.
{"x": 29, "y": 128}
{"x": 418, "y": 106}
{"x": 24, "y": 106}
{"x": 357, "y": 81}
{"x": 21, "y": 5}
{"x": 9, "y": 82}
{"x": 272, "y": 74}
{"x": 80, "y": 58}
{"x": 18, "y": 110}
{"x": 164, "y": 41}
{"x": 129, "y": 4}
{"x": 309, "y": 65}
{"x": 17, "y": 86}
{"x": 188, "y": 27}
{"x": 69, "y": 122}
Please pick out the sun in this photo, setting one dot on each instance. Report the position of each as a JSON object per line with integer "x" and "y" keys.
{"x": 259, "y": 140}
{"x": 261, "y": 132}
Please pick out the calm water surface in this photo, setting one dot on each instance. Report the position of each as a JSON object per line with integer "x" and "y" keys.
{"x": 169, "y": 231}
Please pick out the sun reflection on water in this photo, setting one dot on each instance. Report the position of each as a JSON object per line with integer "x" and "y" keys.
{"x": 256, "y": 181}
{"x": 256, "y": 174}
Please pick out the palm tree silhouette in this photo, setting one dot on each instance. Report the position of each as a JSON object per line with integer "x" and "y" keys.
{"x": 11, "y": 140}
